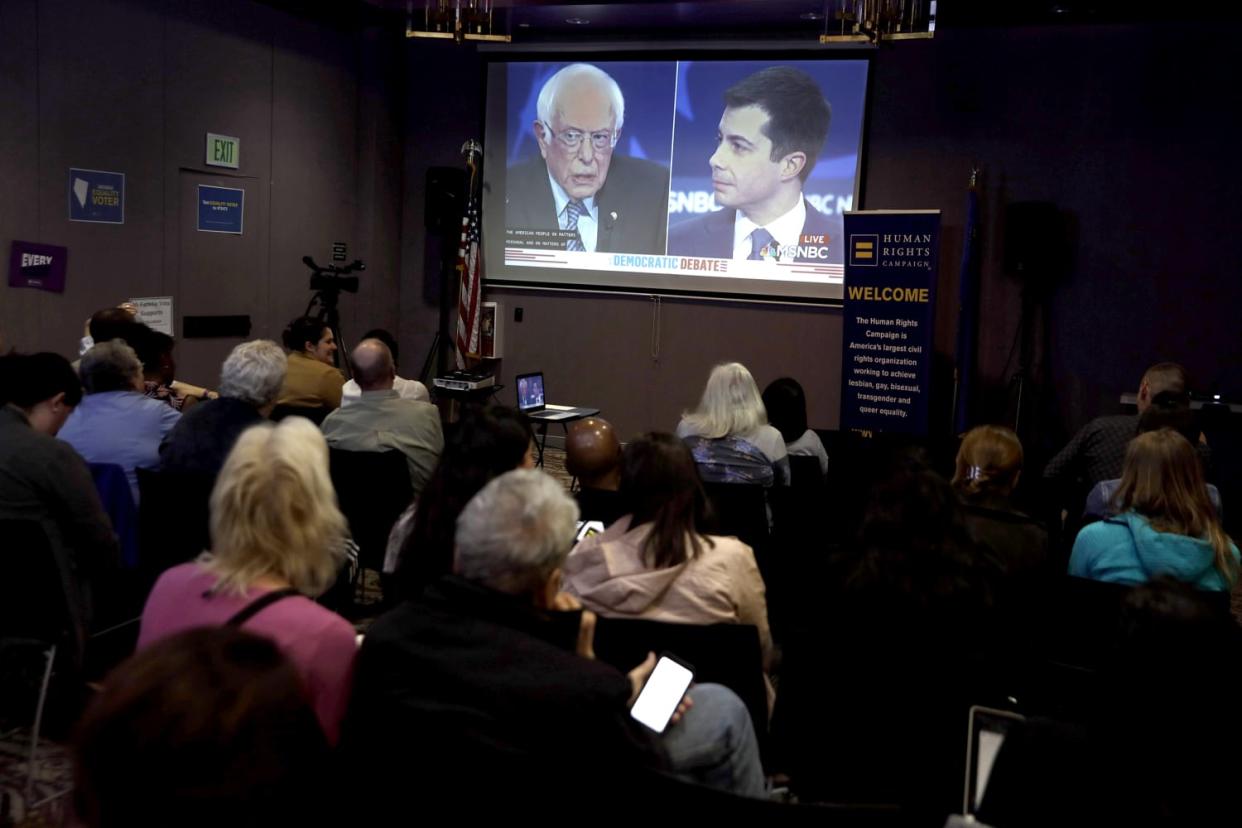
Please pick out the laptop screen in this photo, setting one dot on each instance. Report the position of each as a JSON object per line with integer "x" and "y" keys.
{"x": 985, "y": 735}
{"x": 530, "y": 392}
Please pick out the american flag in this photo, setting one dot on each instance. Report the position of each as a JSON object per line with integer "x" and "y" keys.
{"x": 468, "y": 255}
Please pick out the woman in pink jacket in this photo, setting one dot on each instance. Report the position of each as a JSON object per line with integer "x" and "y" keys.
{"x": 654, "y": 563}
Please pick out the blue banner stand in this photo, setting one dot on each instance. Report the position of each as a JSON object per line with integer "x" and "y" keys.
{"x": 891, "y": 260}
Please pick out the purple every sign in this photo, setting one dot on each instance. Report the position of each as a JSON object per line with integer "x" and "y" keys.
{"x": 39, "y": 266}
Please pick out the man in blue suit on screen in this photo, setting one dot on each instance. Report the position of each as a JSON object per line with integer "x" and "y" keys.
{"x": 773, "y": 128}
{"x": 611, "y": 203}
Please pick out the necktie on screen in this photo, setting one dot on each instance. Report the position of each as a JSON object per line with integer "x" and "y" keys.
{"x": 574, "y": 210}
{"x": 759, "y": 239}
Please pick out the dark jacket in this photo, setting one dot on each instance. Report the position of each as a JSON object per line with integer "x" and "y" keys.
{"x": 712, "y": 234}
{"x": 204, "y": 436}
{"x": 45, "y": 480}
{"x": 468, "y": 687}
{"x": 633, "y": 204}
{"x": 1019, "y": 542}
{"x": 604, "y": 505}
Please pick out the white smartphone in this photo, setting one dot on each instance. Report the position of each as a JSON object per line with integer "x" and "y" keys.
{"x": 664, "y": 690}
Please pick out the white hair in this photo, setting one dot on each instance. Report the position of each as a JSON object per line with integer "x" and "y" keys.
{"x": 731, "y": 403}
{"x": 515, "y": 531}
{"x": 274, "y": 511}
{"x": 552, "y": 87}
{"x": 254, "y": 372}
{"x": 110, "y": 366}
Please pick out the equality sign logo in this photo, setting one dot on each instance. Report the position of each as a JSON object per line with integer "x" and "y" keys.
{"x": 40, "y": 266}
{"x": 863, "y": 249}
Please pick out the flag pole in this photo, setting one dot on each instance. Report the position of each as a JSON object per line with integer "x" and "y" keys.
{"x": 967, "y": 304}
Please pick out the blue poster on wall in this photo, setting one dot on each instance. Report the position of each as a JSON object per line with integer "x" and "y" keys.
{"x": 220, "y": 209}
{"x": 96, "y": 196}
{"x": 890, "y": 301}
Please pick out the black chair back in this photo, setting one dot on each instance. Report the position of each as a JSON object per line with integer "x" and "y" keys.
{"x": 804, "y": 472}
{"x": 373, "y": 488}
{"x": 173, "y": 518}
{"x": 33, "y": 598}
{"x": 738, "y": 509}
{"x": 316, "y": 414}
{"x": 727, "y": 654}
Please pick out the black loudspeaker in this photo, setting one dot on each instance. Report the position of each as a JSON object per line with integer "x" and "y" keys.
{"x": 1034, "y": 240}
{"x": 445, "y": 199}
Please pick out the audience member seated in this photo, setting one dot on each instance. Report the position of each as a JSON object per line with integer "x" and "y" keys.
{"x": 1156, "y": 748}
{"x": 207, "y": 728}
{"x": 989, "y": 464}
{"x": 785, "y": 402}
{"x": 729, "y": 432}
{"x": 276, "y": 536}
{"x": 1165, "y": 525}
{"x": 250, "y": 379}
{"x": 484, "y": 443}
{"x": 115, "y": 422}
{"x": 406, "y": 389}
{"x": 381, "y": 420}
{"x": 1167, "y": 410}
{"x": 654, "y": 563}
{"x": 1097, "y": 451}
{"x": 312, "y": 380}
{"x": 877, "y": 680}
{"x": 44, "y": 479}
{"x": 593, "y": 456}
{"x": 159, "y": 369}
{"x": 488, "y": 676}
{"x": 107, "y": 324}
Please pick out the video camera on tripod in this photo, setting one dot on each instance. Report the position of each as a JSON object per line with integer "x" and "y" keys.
{"x": 333, "y": 277}
{"x": 327, "y": 284}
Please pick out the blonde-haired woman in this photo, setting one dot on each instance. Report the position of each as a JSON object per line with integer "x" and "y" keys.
{"x": 989, "y": 464}
{"x": 277, "y": 541}
{"x": 729, "y": 433}
{"x": 1165, "y": 526}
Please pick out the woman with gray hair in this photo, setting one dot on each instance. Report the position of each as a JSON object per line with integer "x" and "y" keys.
{"x": 729, "y": 435}
{"x": 115, "y": 422}
{"x": 277, "y": 541}
{"x": 250, "y": 380}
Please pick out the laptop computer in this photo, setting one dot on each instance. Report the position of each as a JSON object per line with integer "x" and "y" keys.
{"x": 985, "y": 734}
{"x": 532, "y": 401}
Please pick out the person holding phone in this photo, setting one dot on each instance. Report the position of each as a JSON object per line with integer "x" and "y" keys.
{"x": 655, "y": 563}
{"x": 487, "y": 679}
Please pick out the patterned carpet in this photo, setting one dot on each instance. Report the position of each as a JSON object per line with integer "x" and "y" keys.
{"x": 53, "y": 781}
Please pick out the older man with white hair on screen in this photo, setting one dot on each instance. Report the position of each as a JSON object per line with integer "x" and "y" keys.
{"x": 487, "y": 680}
{"x": 610, "y": 202}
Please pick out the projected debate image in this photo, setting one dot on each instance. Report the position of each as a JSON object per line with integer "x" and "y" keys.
{"x": 727, "y": 176}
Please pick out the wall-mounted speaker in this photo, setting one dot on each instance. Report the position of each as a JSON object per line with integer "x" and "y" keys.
{"x": 445, "y": 199}
{"x": 1034, "y": 240}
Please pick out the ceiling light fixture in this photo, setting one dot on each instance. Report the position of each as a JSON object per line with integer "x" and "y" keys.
{"x": 577, "y": 21}
{"x": 457, "y": 20}
{"x": 870, "y": 21}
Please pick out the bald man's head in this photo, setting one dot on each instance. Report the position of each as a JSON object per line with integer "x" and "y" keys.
{"x": 593, "y": 454}
{"x": 373, "y": 365}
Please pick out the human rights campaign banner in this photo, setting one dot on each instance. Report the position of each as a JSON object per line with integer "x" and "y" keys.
{"x": 96, "y": 196}
{"x": 890, "y": 301}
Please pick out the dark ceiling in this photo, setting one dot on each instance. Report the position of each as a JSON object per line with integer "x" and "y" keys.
{"x": 542, "y": 20}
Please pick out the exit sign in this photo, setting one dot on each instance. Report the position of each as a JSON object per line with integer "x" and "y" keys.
{"x": 223, "y": 150}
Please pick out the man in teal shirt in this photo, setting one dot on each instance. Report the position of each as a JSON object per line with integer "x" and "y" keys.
{"x": 381, "y": 420}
